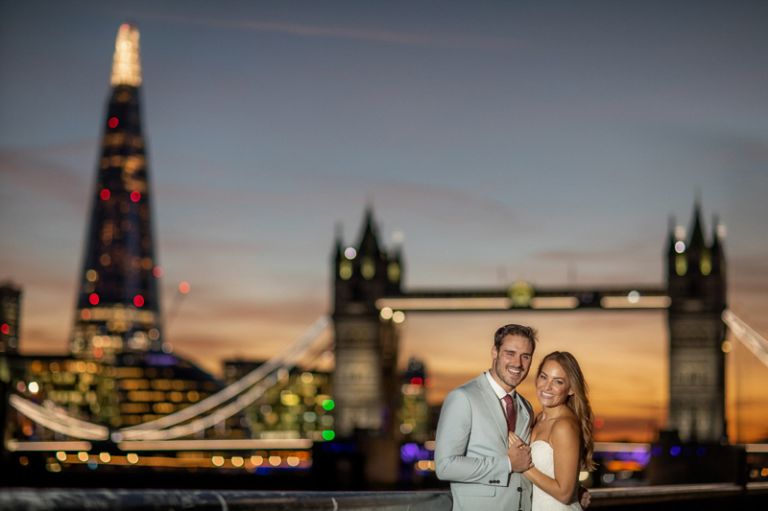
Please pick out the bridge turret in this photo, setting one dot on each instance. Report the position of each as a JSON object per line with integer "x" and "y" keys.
{"x": 696, "y": 238}
{"x": 369, "y": 239}
{"x": 361, "y": 271}
{"x": 718, "y": 254}
{"x": 696, "y": 287}
{"x": 366, "y": 343}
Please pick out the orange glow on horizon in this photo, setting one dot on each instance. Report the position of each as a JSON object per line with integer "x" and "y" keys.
{"x": 623, "y": 355}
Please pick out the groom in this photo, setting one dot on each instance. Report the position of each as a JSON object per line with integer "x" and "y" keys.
{"x": 472, "y": 450}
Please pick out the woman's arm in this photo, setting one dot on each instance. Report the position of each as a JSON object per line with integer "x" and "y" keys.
{"x": 565, "y": 442}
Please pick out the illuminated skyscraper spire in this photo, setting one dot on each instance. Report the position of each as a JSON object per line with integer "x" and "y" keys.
{"x": 126, "y": 65}
{"x": 118, "y": 306}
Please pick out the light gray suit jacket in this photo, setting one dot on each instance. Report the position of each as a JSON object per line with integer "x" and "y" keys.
{"x": 471, "y": 449}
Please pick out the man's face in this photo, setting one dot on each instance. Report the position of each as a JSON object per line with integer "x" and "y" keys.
{"x": 511, "y": 361}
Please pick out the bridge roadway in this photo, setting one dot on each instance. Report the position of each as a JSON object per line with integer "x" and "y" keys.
{"x": 705, "y": 497}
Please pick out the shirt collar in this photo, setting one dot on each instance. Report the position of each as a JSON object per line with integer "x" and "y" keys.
{"x": 500, "y": 392}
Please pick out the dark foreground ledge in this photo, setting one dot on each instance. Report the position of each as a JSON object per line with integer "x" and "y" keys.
{"x": 29, "y": 499}
{"x": 703, "y": 496}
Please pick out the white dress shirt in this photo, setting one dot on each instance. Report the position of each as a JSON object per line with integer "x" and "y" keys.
{"x": 500, "y": 393}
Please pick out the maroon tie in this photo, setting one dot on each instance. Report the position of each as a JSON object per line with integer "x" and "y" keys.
{"x": 509, "y": 404}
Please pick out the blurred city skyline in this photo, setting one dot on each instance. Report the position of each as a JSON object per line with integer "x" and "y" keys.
{"x": 504, "y": 141}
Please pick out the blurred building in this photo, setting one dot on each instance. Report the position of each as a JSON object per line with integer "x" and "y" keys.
{"x": 119, "y": 372}
{"x": 75, "y": 387}
{"x": 366, "y": 339}
{"x": 151, "y": 385}
{"x": 697, "y": 291}
{"x": 414, "y": 412}
{"x": 10, "y": 313}
{"x": 118, "y": 305}
{"x": 298, "y": 406}
{"x": 126, "y": 393}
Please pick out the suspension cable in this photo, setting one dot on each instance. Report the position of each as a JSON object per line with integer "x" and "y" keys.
{"x": 294, "y": 351}
{"x": 59, "y": 422}
{"x": 248, "y": 387}
{"x": 756, "y": 343}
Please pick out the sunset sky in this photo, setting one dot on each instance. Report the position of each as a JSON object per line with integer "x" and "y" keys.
{"x": 503, "y": 140}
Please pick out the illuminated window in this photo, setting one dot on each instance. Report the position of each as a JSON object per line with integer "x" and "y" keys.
{"x": 345, "y": 270}
{"x": 368, "y": 269}
{"x": 393, "y": 272}
{"x": 681, "y": 265}
{"x": 705, "y": 265}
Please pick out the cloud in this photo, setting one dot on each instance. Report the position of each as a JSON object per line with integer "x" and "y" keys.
{"x": 200, "y": 245}
{"x": 740, "y": 152}
{"x": 259, "y": 310}
{"x": 38, "y": 170}
{"x": 343, "y": 32}
{"x": 620, "y": 252}
{"x": 33, "y": 272}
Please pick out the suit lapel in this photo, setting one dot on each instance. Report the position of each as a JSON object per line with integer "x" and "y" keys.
{"x": 493, "y": 405}
{"x": 523, "y": 424}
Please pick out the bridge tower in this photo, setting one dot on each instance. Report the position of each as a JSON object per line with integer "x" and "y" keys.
{"x": 366, "y": 342}
{"x": 696, "y": 287}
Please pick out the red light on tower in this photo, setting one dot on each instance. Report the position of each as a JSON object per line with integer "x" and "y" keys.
{"x": 113, "y": 122}
{"x": 5, "y": 329}
{"x": 417, "y": 380}
{"x": 138, "y": 301}
{"x": 184, "y": 287}
{"x": 105, "y": 194}
{"x": 135, "y": 196}
{"x": 93, "y": 298}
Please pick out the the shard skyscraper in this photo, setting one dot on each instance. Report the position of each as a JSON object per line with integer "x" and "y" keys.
{"x": 118, "y": 305}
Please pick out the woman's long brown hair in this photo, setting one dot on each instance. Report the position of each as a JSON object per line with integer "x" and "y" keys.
{"x": 578, "y": 403}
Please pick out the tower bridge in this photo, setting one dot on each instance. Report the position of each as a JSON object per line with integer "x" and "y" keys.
{"x": 369, "y": 299}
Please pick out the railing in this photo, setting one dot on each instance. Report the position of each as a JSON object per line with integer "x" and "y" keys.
{"x": 753, "y": 496}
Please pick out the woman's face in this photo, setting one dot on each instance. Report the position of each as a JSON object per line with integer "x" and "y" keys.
{"x": 552, "y": 385}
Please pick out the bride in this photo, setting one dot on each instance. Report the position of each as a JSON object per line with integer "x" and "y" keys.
{"x": 561, "y": 440}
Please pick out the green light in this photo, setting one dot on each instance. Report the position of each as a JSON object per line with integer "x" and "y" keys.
{"x": 328, "y": 434}
{"x": 329, "y": 405}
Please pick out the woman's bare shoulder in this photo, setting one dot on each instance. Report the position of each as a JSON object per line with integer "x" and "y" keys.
{"x": 565, "y": 429}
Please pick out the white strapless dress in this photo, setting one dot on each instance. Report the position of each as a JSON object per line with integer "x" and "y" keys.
{"x": 544, "y": 459}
